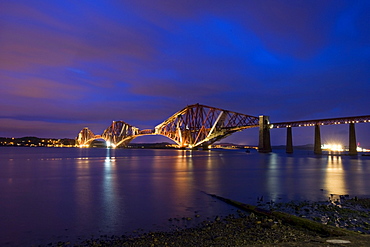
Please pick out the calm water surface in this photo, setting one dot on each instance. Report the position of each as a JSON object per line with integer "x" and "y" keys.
{"x": 58, "y": 194}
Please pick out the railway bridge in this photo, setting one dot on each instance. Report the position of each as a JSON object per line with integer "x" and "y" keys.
{"x": 194, "y": 126}
{"x": 199, "y": 126}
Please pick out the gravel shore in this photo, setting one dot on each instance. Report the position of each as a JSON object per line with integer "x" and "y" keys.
{"x": 245, "y": 229}
{"x": 339, "y": 211}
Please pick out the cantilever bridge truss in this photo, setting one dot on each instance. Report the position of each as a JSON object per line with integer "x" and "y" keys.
{"x": 119, "y": 133}
{"x": 197, "y": 125}
{"x": 194, "y": 126}
{"x": 85, "y": 137}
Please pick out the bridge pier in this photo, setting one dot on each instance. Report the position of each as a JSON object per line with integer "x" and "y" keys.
{"x": 289, "y": 140}
{"x": 205, "y": 146}
{"x": 317, "y": 143}
{"x": 264, "y": 144}
{"x": 352, "y": 140}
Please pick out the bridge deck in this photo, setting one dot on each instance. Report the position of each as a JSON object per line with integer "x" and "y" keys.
{"x": 328, "y": 121}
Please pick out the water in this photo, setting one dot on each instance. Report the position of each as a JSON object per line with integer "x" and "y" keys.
{"x": 59, "y": 194}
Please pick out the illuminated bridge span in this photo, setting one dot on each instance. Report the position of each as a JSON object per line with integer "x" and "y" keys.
{"x": 328, "y": 121}
{"x": 194, "y": 126}
{"x": 317, "y": 123}
{"x": 199, "y": 126}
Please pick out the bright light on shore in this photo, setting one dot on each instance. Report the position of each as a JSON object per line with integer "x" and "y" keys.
{"x": 360, "y": 149}
{"x": 340, "y": 148}
{"x": 332, "y": 147}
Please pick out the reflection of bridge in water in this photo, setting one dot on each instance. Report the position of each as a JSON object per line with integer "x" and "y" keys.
{"x": 200, "y": 126}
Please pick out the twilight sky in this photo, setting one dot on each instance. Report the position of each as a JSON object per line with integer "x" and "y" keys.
{"x": 65, "y": 65}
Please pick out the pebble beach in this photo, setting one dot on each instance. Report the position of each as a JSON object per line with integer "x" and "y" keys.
{"x": 250, "y": 229}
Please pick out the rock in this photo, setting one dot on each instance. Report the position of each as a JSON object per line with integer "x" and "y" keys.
{"x": 338, "y": 241}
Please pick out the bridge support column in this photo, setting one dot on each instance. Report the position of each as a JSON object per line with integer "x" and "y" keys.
{"x": 317, "y": 144}
{"x": 352, "y": 140}
{"x": 264, "y": 145}
{"x": 289, "y": 140}
{"x": 205, "y": 146}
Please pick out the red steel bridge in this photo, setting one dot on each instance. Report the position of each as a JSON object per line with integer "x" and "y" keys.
{"x": 194, "y": 126}
{"x": 199, "y": 126}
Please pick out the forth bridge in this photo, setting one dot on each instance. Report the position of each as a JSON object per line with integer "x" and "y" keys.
{"x": 200, "y": 126}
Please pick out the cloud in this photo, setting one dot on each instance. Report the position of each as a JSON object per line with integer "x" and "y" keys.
{"x": 138, "y": 61}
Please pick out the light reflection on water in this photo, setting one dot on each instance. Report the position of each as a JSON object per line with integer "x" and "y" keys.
{"x": 334, "y": 176}
{"x": 273, "y": 177}
{"x": 111, "y": 204}
{"x": 59, "y": 194}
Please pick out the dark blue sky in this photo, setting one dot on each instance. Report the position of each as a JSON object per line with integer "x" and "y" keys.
{"x": 65, "y": 65}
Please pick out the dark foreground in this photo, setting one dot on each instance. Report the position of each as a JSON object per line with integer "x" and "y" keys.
{"x": 253, "y": 229}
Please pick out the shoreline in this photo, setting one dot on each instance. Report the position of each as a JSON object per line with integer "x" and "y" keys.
{"x": 251, "y": 229}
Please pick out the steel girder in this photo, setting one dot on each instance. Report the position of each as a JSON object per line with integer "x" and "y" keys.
{"x": 119, "y": 133}
{"x": 197, "y": 125}
{"x": 85, "y": 137}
